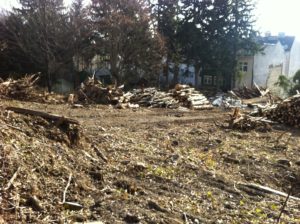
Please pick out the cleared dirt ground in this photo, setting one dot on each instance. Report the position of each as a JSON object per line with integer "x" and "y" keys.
{"x": 170, "y": 166}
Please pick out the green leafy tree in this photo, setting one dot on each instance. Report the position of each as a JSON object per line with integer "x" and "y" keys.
{"x": 284, "y": 83}
{"x": 296, "y": 84}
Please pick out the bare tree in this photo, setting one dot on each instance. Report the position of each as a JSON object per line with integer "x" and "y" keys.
{"x": 40, "y": 30}
{"x": 126, "y": 38}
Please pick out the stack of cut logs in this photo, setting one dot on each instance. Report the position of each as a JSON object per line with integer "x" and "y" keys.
{"x": 190, "y": 98}
{"x": 182, "y": 95}
{"x": 151, "y": 97}
{"x": 18, "y": 89}
{"x": 92, "y": 91}
{"x": 287, "y": 112}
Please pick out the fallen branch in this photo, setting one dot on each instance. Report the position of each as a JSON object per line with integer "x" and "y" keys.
{"x": 66, "y": 189}
{"x": 11, "y": 181}
{"x": 100, "y": 154}
{"x": 268, "y": 190}
{"x": 53, "y": 117}
{"x": 284, "y": 205}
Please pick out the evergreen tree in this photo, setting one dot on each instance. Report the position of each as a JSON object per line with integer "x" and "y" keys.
{"x": 216, "y": 32}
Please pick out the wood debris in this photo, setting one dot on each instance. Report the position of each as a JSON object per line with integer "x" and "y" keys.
{"x": 249, "y": 93}
{"x": 18, "y": 89}
{"x": 180, "y": 96}
{"x": 26, "y": 89}
{"x": 244, "y": 122}
{"x": 57, "y": 118}
{"x": 264, "y": 189}
{"x": 286, "y": 112}
{"x": 93, "y": 91}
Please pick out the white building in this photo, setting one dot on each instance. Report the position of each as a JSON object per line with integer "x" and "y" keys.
{"x": 280, "y": 56}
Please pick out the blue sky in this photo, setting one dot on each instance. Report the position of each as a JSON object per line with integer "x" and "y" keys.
{"x": 271, "y": 15}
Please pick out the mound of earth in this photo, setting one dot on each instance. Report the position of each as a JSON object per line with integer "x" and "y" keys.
{"x": 48, "y": 170}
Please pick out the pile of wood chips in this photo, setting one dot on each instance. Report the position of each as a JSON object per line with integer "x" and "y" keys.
{"x": 287, "y": 112}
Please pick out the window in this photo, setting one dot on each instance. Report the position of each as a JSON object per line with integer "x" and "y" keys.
{"x": 207, "y": 80}
{"x": 218, "y": 80}
{"x": 243, "y": 66}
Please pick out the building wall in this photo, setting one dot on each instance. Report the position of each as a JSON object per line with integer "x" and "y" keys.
{"x": 272, "y": 56}
{"x": 186, "y": 75}
{"x": 245, "y": 77}
{"x": 294, "y": 64}
{"x": 274, "y": 73}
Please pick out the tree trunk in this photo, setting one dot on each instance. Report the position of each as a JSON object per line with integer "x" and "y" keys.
{"x": 114, "y": 64}
{"x": 197, "y": 74}
{"x": 166, "y": 73}
{"x": 49, "y": 81}
{"x": 176, "y": 74}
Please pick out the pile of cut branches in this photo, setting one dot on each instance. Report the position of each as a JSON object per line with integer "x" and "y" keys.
{"x": 18, "y": 89}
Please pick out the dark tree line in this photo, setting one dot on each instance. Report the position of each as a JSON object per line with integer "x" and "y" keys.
{"x": 132, "y": 38}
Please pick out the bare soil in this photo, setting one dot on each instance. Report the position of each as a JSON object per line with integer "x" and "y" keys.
{"x": 164, "y": 166}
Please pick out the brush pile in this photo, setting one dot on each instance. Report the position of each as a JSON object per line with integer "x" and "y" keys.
{"x": 26, "y": 89}
{"x": 244, "y": 122}
{"x": 21, "y": 89}
{"x": 93, "y": 91}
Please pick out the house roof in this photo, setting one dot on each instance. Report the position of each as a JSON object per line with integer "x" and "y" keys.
{"x": 286, "y": 41}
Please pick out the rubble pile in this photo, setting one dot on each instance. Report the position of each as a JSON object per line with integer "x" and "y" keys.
{"x": 46, "y": 168}
{"x": 286, "y": 112}
{"x": 225, "y": 101}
